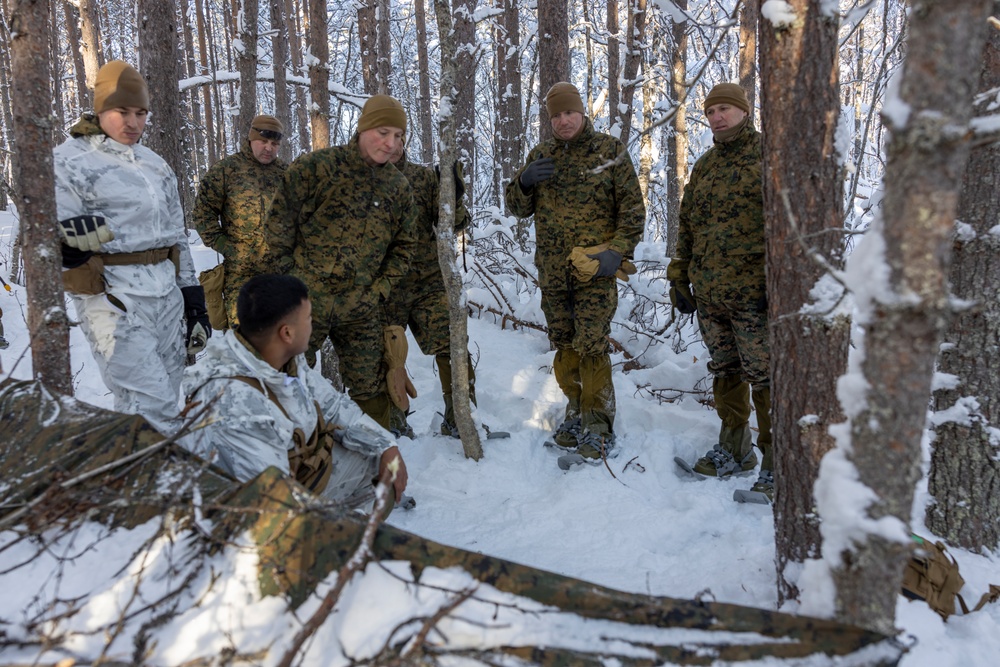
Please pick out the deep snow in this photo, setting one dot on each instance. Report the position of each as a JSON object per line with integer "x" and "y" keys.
{"x": 643, "y": 529}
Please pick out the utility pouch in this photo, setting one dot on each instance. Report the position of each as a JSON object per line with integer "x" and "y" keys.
{"x": 86, "y": 279}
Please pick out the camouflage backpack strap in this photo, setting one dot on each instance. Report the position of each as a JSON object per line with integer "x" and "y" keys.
{"x": 310, "y": 460}
{"x": 932, "y": 575}
{"x": 992, "y": 595}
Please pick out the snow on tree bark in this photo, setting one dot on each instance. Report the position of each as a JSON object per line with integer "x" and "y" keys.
{"x": 903, "y": 306}
{"x": 803, "y": 214}
{"x": 32, "y": 103}
{"x": 445, "y": 229}
{"x": 965, "y": 466}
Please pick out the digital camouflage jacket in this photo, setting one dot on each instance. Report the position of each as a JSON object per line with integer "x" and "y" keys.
{"x": 345, "y": 228}
{"x": 720, "y": 241}
{"x": 232, "y": 203}
{"x": 590, "y": 199}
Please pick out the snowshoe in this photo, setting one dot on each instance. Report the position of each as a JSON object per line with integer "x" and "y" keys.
{"x": 717, "y": 462}
{"x": 762, "y": 492}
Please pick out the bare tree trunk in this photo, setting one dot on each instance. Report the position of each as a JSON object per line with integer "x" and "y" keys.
{"x": 465, "y": 100}
{"x": 445, "y": 229}
{"x": 295, "y": 47}
{"x": 279, "y": 51}
{"x": 965, "y": 472}
{"x": 802, "y": 210}
{"x": 368, "y": 37}
{"x": 8, "y": 164}
{"x": 246, "y": 59}
{"x": 636, "y": 35}
{"x": 158, "y": 58}
{"x": 509, "y": 121}
{"x": 213, "y": 140}
{"x": 424, "y": 100}
{"x": 614, "y": 67}
{"x": 90, "y": 31}
{"x": 319, "y": 75}
{"x": 83, "y": 94}
{"x": 678, "y": 153}
{"x": 195, "y": 135}
{"x": 905, "y": 313}
{"x": 32, "y": 105}
{"x": 749, "y": 18}
{"x": 383, "y": 63}
{"x": 553, "y": 55}
{"x": 57, "y": 95}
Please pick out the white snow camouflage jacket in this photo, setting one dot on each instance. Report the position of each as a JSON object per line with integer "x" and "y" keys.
{"x": 135, "y": 191}
{"x": 246, "y": 432}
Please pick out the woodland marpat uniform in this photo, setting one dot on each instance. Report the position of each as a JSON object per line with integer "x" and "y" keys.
{"x": 721, "y": 254}
{"x": 346, "y": 229}
{"x": 592, "y": 197}
{"x": 233, "y": 200}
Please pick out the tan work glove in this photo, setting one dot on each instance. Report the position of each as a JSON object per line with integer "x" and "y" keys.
{"x": 401, "y": 390}
{"x": 585, "y": 267}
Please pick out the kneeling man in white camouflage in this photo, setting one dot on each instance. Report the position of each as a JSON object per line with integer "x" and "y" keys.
{"x": 272, "y": 409}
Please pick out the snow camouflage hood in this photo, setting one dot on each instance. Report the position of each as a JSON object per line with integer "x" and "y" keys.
{"x": 52, "y": 443}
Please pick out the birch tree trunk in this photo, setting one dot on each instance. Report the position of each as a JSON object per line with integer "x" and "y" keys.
{"x": 553, "y": 55}
{"x": 965, "y": 470}
{"x": 903, "y": 300}
{"x": 32, "y": 103}
{"x": 158, "y": 58}
{"x": 445, "y": 229}
{"x": 246, "y": 59}
{"x": 319, "y": 75}
{"x": 802, "y": 210}
{"x": 424, "y": 99}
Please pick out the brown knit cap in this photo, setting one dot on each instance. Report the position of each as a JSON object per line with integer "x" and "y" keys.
{"x": 727, "y": 93}
{"x": 265, "y": 122}
{"x": 561, "y": 97}
{"x": 382, "y": 111}
{"x": 119, "y": 85}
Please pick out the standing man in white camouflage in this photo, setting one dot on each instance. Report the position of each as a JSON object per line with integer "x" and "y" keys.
{"x": 130, "y": 275}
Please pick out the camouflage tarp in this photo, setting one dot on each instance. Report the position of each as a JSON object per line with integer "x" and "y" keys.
{"x": 49, "y": 445}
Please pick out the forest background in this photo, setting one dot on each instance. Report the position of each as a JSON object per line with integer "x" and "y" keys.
{"x": 838, "y": 107}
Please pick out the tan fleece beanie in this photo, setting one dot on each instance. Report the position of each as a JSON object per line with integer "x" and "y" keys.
{"x": 265, "y": 123}
{"x": 382, "y": 111}
{"x": 727, "y": 93}
{"x": 561, "y": 97}
{"x": 119, "y": 85}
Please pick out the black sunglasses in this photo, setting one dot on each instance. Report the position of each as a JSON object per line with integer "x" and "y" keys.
{"x": 273, "y": 135}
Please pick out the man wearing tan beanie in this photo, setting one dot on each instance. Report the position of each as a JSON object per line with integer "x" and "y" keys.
{"x": 343, "y": 221}
{"x": 129, "y": 270}
{"x": 233, "y": 199}
{"x": 717, "y": 271}
{"x": 582, "y": 189}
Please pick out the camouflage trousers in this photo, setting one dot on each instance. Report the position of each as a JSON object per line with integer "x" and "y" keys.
{"x": 424, "y": 309}
{"x": 353, "y": 322}
{"x": 736, "y": 336}
{"x": 579, "y": 323}
{"x": 236, "y": 277}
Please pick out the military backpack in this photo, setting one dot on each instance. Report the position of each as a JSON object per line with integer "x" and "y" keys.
{"x": 932, "y": 575}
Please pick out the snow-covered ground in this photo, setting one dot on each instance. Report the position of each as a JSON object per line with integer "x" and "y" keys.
{"x": 643, "y": 529}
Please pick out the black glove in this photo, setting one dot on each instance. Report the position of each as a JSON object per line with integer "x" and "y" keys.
{"x": 682, "y": 299}
{"x": 536, "y": 172}
{"x": 456, "y": 169}
{"x": 86, "y": 232}
{"x": 762, "y": 303}
{"x": 196, "y": 314}
{"x": 610, "y": 260}
{"x": 74, "y": 257}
